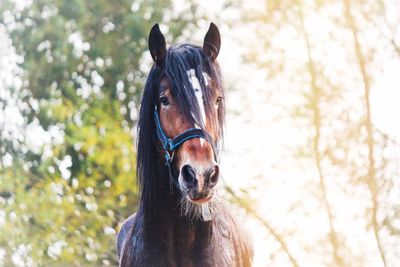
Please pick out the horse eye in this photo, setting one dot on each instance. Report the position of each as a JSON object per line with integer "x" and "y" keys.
{"x": 164, "y": 101}
{"x": 219, "y": 99}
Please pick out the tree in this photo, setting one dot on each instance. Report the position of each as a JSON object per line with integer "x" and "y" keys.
{"x": 83, "y": 68}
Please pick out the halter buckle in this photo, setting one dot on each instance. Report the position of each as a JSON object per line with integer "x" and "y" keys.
{"x": 168, "y": 157}
{"x": 169, "y": 145}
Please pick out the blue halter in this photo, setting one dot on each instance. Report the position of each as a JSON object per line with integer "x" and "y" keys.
{"x": 171, "y": 144}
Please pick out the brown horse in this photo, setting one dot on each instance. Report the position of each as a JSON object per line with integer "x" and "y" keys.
{"x": 181, "y": 221}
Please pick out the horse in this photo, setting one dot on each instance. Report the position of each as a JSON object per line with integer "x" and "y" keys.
{"x": 180, "y": 220}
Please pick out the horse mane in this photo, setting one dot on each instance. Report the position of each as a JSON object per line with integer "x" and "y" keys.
{"x": 178, "y": 61}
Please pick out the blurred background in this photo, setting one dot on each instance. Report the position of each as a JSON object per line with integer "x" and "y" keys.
{"x": 312, "y": 150}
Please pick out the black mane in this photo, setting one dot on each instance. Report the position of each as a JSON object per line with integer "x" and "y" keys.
{"x": 152, "y": 180}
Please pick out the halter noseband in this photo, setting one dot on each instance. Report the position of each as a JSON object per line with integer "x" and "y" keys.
{"x": 171, "y": 144}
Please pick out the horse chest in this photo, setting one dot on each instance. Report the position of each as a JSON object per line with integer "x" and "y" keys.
{"x": 207, "y": 245}
{"x": 189, "y": 245}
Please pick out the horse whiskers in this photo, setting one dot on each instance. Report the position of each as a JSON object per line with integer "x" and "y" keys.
{"x": 195, "y": 212}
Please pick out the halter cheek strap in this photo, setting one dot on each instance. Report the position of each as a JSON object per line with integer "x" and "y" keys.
{"x": 170, "y": 145}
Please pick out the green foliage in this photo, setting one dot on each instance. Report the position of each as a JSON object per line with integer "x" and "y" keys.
{"x": 84, "y": 65}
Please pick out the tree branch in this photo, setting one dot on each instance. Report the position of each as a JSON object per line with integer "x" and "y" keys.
{"x": 315, "y": 100}
{"x": 372, "y": 180}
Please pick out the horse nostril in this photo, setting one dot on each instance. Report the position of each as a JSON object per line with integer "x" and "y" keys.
{"x": 189, "y": 176}
{"x": 213, "y": 176}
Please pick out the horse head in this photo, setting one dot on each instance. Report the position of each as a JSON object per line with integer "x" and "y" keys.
{"x": 189, "y": 111}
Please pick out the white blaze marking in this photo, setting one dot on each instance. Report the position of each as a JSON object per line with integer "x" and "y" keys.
{"x": 199, "y": 94}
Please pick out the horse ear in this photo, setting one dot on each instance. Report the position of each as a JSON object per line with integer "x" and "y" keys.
{"x": 212, "y": 42}
{"x": 157, "y": 46}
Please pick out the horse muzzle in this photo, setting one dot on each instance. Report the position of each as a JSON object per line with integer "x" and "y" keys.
{"x": 199, "y": 184}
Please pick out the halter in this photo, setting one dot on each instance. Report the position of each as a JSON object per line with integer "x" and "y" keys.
{"x": 171, "y": 144}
